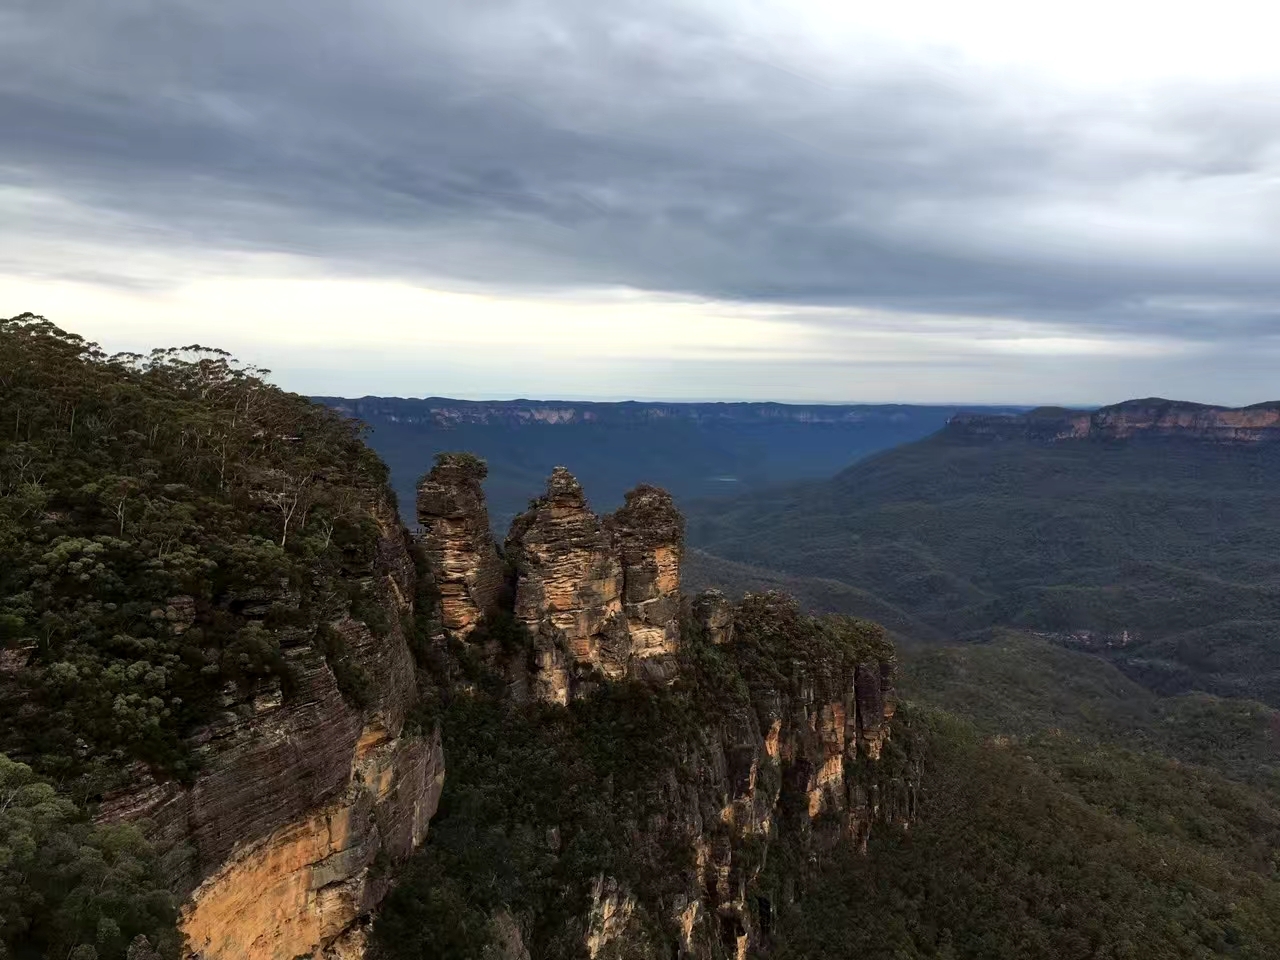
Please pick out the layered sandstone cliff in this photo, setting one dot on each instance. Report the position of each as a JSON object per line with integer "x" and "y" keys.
{"x": 301, "y": 793}
{"x": 601, "y": 597}
{"x": 458, "y": 544}
{"x": 790, "y": 752}
{"x": 1131, "y": 419}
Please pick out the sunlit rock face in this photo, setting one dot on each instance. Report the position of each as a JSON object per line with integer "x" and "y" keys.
{"x": 568, "y": 589}
{"x": 457, "y": 541}
{"x": 299, "y": 791}
{"x": 304, "y": 889}
{"x": 600, "y": 597}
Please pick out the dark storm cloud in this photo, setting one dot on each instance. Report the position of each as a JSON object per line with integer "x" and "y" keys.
{"x": 557, "y": 145}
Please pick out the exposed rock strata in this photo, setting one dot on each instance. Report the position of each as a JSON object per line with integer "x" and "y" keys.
{"x": 271, "y": 846}
{"x": 307, "y": 885}
{"x": 600, "y": 597}
{"x": 1131, "y": 419}
{"x": 458, "y": 543}
{"x": 648, "y": 535}
{"x": 802, "y": 763}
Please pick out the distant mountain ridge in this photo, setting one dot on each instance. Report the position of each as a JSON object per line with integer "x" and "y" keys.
{"x": 691, "y": 449}
{"x": 443, "y": 411}
{"x": 1149, "y": 417}
{"x": 1154, "y": 519}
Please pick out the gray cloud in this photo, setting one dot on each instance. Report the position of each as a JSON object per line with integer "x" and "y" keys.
{"x": 648, "y": 144}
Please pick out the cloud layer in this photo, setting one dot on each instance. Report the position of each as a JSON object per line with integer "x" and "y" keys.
{"x": 848, "y": 174}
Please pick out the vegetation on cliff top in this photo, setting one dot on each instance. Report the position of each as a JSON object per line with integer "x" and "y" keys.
{"x": 171, "y": 525}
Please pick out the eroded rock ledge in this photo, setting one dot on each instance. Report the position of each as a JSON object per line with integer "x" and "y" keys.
{"x": 1124, "y": 421}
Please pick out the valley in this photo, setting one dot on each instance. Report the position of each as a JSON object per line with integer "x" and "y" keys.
{"x": 690, "y": 449}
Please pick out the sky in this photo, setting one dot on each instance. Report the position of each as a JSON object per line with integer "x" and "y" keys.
{"x": 989, "y": 201}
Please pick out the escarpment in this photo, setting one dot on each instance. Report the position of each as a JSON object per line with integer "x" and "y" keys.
{"x": 220, "y": 639}
{"x": 302, "y": 791}
{"x": 1152, "y": 418}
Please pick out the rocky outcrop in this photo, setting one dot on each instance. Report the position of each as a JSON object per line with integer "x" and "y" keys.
{"x": 600, "y": 597}
{"x": 305, "y": 887}
{"x": 648, "y": 535}
{"x": 609, "y": 916}
{"x": 273, "y": 846}
{"x": 568, "y": 589}
{"x": 457, "y": 541}
{"x": 802, "y": 765}
{"x": 713, "y": 611}
{"x": 1123, "y": 421}
{"x": 790, "y": 746}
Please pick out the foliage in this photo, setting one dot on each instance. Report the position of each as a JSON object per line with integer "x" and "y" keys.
{"x": 1053, "y": 848}
{"x": 1018, "y": 685}
{"x": 70, "y": 889}
{"x": 169, "y": 525}
{"x": 1175, "y": 542}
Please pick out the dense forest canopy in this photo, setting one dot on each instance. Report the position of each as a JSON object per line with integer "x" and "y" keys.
{"x": 1165, "y": 552}
{"x": 170, "y": 525}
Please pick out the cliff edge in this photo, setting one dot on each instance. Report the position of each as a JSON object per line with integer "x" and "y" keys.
{"x": 1148, "y": 418}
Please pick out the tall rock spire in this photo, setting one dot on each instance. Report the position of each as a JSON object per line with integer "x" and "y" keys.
{"x": 648, "y": 535}
{"x": 458, "y": 543}
{"x": 568, "y": 589}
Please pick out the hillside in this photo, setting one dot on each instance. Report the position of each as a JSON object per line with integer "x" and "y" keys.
{"x": 244, "y": 716}
{"x": 690, "y": 449}
{"x": 1155, "y": 543}
{"x": 206, "y": 618}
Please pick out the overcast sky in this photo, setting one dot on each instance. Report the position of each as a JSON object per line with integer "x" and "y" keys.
{"x": 991, "y": 200}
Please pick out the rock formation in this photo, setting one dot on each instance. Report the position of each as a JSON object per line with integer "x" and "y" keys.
{"x": 1131, "y": 419}
{"x": 459, "y": 545}
{"x": 648, "y": 535}
{"x": 278, "y": 846}
{"x": 568, "y": 589}
{"x": 599, "y": 596}
{"x": 802, "y": 764}
{"x": 272, "y": 847}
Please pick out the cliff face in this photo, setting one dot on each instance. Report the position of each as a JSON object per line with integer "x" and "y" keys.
{"x": 286, "y": 842}
{"x": 273, "y": 845}
{"x": 458, "y": 544}
{"x": 1133, "y": 418}
{"x": 648, "y": 534}
{"x": 799, "y": 767}
{"x": 788, "y": 753}
{"x": 599, "y": 596}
